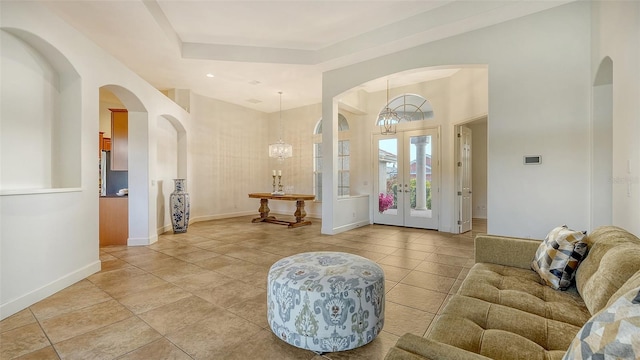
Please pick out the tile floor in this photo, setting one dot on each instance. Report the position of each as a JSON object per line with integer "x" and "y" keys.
{"x": 201, "y": 295}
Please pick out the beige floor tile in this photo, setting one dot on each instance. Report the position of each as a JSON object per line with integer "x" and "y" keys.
{"x": 68, "y": 325}
{"x": 428, "y": 248}
{"x": 253, "y": 309}
{"x": 179, "y": 250}
{"x": 157, "y": 264}
{"x": 159, "y": 349}
{"x": 429, "y": 281}
{"x": 388, "y": 285}
{"x": 416, "y": 297}
{"x": 47, "y": 353}
{"x": 178, "y": 314}
{"x": 393, "y": 273}
{"x": 218, "y": 262}
{"x": 230, "y": 294}
{"x": 209, "y": 279}
{"x": 400, "y": 319}
{"x": 143, "y": 301}
{"x": 21, "y": 318}
{"x": 448, "y": 259}
{"x": 185, "y": 307}
{"x": 452, "y": 251}
{"x": 411, "y": 254}
{"x": 131, "y": 285}
{"x": 375, "y": 350}
{"x": 242, "y": 270}
{"x": 21, "y": 341}
{"x": 108, "y": 342}
{"x": 214, "y": 336}
{"x": 196, "y": 256}
{"x": 400, "y": 261}
{"x": 265, "y": 345}
{"x": 439, "y": 269}
{"x": 115, "y": 275}
{"x": 77, "y": 296}
{"x": 178, "y": 270}
{"x": 146, "y": 259}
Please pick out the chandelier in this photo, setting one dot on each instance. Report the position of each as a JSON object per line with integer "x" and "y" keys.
{"x": 388, "y": 119}
{"x": 280, "y": 150}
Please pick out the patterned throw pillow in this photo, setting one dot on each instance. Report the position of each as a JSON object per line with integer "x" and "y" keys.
{"x": 558, "y": 256}
{"x": 612, "y": 333}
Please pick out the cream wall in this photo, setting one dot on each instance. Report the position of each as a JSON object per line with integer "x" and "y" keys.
{"x": 479, "y": 168}
{"x": 539, "y": 96}
{"x": 616, "y": 34}
{"x": 298, "y": 125}
{"x": 49, "y": 238}
{"x": 227, "y": 158}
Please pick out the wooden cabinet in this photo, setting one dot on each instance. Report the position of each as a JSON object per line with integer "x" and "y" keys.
{"x": 114, "y": 220}
{"x": 104, "y": 142}
{"x": 119, "y": 139}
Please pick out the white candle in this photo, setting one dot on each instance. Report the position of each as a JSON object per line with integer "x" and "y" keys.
{"x": 279, "y": 172}
{"x": 274, "y": 173}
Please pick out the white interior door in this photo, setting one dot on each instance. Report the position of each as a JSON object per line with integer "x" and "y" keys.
{"x": 407, "y": 169}
{"x": 464, "y": 178}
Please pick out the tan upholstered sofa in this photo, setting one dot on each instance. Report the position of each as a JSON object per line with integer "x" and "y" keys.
{"x": 504, "y": 311}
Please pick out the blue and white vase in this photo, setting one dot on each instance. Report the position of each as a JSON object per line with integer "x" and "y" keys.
{"x": 179, "y": 202}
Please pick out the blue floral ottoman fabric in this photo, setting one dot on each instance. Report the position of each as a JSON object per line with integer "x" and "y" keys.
{"x": 325, "y": 301}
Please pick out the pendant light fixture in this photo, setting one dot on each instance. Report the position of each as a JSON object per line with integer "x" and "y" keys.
{"x": 280, "y": 150}
{"x": 388, "y": 119}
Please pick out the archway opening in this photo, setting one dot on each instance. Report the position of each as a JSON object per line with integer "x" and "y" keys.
{"x": 602, "y": 146}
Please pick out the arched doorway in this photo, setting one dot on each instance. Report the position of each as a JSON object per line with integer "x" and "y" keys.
{"x": 171, "y": 163}
{"x": 137, "y": 177}
{"x": 602, "y": 146}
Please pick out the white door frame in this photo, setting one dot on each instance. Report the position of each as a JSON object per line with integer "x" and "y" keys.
{"x": 402, "y": 217}
{"x": 464, "y": 178}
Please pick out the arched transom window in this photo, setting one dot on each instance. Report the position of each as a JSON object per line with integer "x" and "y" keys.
{"x": 411, "y": 107}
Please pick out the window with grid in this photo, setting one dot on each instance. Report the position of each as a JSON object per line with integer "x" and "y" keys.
{"x": 344, "y": 153}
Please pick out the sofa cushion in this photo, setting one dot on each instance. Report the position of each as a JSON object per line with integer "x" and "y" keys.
{"x": 501, "y": 332}
{"x": 523, "y": 289}
{"x": 558, "y": 257}
{"x": 613, "y": 333}
{"x": 614, "y": 256}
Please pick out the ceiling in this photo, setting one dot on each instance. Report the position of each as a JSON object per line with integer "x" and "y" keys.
{"x": 254, "y": 49}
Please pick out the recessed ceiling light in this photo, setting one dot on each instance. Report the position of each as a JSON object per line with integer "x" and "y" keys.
{"x": 210, "y": 75}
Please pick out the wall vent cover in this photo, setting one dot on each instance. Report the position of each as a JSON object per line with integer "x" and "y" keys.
{"x": 532, "y": 159}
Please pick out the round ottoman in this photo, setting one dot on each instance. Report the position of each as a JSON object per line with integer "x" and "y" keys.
{"x": 325, "y": 301}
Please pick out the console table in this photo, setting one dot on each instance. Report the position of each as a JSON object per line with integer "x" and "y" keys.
{"x": 299, "y": 213}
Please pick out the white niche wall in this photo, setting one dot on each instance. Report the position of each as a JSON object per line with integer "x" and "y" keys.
{"x": 39, "y": 116}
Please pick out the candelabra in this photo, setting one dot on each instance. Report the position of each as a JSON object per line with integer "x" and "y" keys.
{"x": 273, "y": 184}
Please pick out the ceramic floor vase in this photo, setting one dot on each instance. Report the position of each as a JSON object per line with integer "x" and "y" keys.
{"x": 179, "y": 202}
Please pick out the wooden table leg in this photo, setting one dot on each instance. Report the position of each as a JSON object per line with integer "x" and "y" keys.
{"x": 264, "y": 212}
{"x": 300, "y": 214}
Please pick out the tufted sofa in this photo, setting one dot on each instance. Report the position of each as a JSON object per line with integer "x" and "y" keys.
{"x": 504, "y": 311}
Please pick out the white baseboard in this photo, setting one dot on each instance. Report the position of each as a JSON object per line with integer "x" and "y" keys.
{"x": 351, "y": 226}
{"x": 26, "y": 300}
{"x": 169, "y": 227}
{"x": 222, "y": 216}
{"x": 142, "y": 241}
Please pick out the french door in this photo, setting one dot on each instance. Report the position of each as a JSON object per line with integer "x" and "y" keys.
{"x": 406, "y": 182}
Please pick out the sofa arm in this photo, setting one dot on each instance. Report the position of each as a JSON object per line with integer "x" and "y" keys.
{"x": 502, "y": 250}
{"x": 413, "y": 347}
